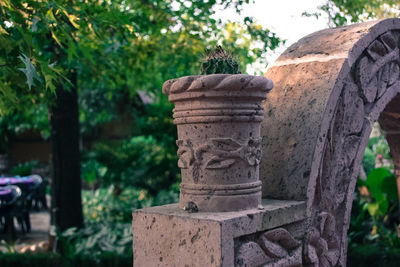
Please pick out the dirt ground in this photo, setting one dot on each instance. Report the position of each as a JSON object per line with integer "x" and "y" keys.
{"x": 36, "y": 239}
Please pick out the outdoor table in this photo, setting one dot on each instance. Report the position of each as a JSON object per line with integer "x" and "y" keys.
{"x": 5, "y": 194}
{"x": 25, "y": 183}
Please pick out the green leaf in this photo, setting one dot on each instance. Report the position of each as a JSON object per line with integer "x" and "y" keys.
{"x": 50, "y": 76}
{"x": 389, "y": 187}
{"x": 373, "y": 209}
{"x": 29, "y": 71}
{"x": 3, "y": 31}
{"x": 71, "y": 51}
{"x": 374, "y": 182}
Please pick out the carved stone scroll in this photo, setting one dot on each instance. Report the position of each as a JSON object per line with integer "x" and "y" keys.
{"x": 275, "y": 247}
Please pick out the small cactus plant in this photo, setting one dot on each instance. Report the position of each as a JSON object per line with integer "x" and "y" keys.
{"x": 219, "y": 61}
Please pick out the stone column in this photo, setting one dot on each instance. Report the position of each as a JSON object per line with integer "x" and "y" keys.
{"x": 219, "y": 147}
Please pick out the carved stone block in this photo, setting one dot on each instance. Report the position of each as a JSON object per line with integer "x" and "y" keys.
{"x": 170, "y": 236}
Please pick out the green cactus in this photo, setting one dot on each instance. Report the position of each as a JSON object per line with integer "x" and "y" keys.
{"x": 219, "y": 61}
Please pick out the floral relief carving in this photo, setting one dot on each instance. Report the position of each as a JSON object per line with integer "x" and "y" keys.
{"x": 272, "y": 248}
{"x": 219, "y": 153}
{"x": 371, "y": 79}
{"x": 322, "y": 246}
{"x": 378, "y": 68}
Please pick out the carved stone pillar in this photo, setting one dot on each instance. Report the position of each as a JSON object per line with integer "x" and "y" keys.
{"x": 220, "y": 217}
{"x": 219, "y": 147}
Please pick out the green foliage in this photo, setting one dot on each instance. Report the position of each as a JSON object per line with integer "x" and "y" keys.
{"x": 9, "y": 246}
{"x": 156, "y": 120}
{"x": 379, "y": 146}
{"x": 219, "y": 61}
{"x": 381, "y": 183}
{"x": 97, "y": 239}
{"x": 370, "y": 255}
{"x": 29, "y": 70}
{"x": 24, "y": 169}
{"x": 108, "y": 205}
{"x": 115, "y": 47}
{"x": 375, "y": 213}
{"x": 103, "y": 205}
{"x": 141, "y": 161}
{"x": 343, "y": 12}
{"x": 57, "y": 260}
{"x": 368, "y": 161}
{"x": 5, "y": 135}
{"x": 92, "y": 171}
{"x": 30, "y": 259}
{"x": 108, "y": 219}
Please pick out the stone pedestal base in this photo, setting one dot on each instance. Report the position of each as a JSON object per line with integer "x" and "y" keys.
{"x": 169, "y": 236}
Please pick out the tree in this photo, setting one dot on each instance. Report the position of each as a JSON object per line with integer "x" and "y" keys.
{"x": 52, "y": 51}
{"x": 343, "y": 12}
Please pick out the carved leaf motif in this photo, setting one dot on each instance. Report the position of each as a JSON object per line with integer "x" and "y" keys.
{"x": 388, "y": 40}
{"x": 226, "y": 144}
{"x": 378, "y": 68}
{"x": 219, "y": 163}
{"x": 271, "y": 249}
{"x": 327, "y": 224}
{"x": 283, "y": 237}
{"x": 311, "y": 255}
{"x": 185, "y": 154}
{"x": 376, "y": 50}
{"x": 219, "y": 153}
{"x": 200, "y": 151}
{"x": 369, "y": 82}
{"x": 253, "y": 152}
{"x": 250, "y": 254}
{"x": 332, "y": 257}
{"x": 394, "y": 73}
{"x": 322, "y": 244}
{"x": 278, "y": 247}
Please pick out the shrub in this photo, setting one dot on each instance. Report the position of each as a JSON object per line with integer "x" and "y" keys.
{"x": 371, "y": 255}
{"x": 142, "y": 162}
{"x": 25, "y": 169}
{"x": 103, "y": 205}
{"x": 97, "y": 239}
{"x": 57, "y": 260}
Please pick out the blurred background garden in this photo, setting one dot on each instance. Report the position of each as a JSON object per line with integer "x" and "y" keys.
{"x": 81, "y": 105}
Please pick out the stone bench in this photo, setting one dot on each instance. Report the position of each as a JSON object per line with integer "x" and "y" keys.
{"x": 329, "y": 89}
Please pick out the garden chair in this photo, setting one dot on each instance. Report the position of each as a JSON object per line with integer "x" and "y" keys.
{"x": 8, "y": 209}
{"x": 25, "y": 204}
{"x": 39, "y": 196}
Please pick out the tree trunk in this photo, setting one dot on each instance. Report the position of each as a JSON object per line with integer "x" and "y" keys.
{"x": 66, "y": 184}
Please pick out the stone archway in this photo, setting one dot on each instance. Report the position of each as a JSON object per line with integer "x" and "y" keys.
{"x": 330, "y": 87}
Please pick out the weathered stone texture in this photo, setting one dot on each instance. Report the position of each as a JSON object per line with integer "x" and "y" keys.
{"x": 219, "y": 147}
{"x": 166, "y": 240}
{"x": 180, "y": 238}
{"x": 330, "y": 88}
{"x": 337, "y": 82}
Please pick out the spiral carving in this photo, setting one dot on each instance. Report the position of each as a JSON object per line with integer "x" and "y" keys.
{"x": 275, "y": 247}
{"x": 217, "y": 82}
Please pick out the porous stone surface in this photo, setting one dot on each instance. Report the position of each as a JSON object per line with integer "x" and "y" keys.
{"x": 219, "y": 147}
{"x": 169, "y": 236}
{"x": 329, "y": 89}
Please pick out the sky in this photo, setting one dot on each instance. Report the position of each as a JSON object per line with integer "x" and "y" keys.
{"x": 282, "y": 17}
